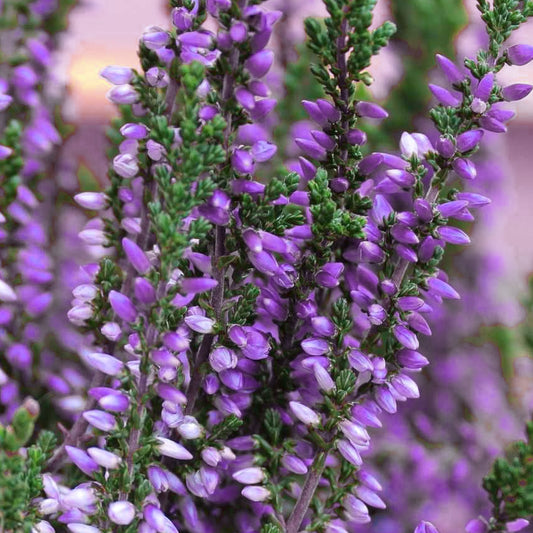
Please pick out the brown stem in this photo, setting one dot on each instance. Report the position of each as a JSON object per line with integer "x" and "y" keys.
{"x": 217, "y": 299}
{"x": 308, "y": 490}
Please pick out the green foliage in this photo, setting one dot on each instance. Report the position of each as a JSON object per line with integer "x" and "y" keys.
{"x": 501, "y": 19}
{"x": 21, "y": 468}
{"x": 510, "y": 483}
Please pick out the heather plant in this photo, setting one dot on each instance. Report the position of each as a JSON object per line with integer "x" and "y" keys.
{"x": 250, "y": 324}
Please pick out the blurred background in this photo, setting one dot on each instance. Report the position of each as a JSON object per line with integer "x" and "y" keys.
{"x": 479, "y": 390}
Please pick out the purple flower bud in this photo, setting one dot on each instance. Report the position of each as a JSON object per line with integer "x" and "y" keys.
{"x": 19, "y": 355}
{"x": 469, "y": 140}
{"x": 516, "y": 91}
{"x": 256, "y": 493}
{"x": 401, "y": 177}
{"x": 449, "y": 69}
{"x": 238, "y": 32}
{"x": 91, "y": 200}
{"x": 442, "y": 289}
{"x": 405, "y": 386}
{"x": 222, "y": 358}
{"x": 82, "y": 460}
{"x": 328, "y": 110}
{"x": 169, "y": 448}
{"x": 323, "y": 139}
{"x": 445, "y": 147}
{"x": 157, "y": 77}
{"x": 322, "y": 326}
{"x": 114, "y": 402}
{"x": 263, "y": 151}
{"x": 121, "y": 512}
{"x": 408, "y": 145}
{"x": 315, "y": 346}
{"x": 410, "y": 303}
{"x": 323, "y": 378}
{"x": 520, "y": 54}
{"x": 369, "y": 163}
{"x": 369, "y": 497}
{"x": 356, "y": 137}
{"x": 476, "y": 526}
{"x": 155, "y": 38}
{"x": 100, "y": 420}
{"x": 104, "y": 458}
{"x": 406, "y": 337}
{"x": 425, "y": 527}
{"x": 107, "y": 364}
{"x": 5, "y": 101}
{"x": 123, "y": 95}
{"x": 402, "y": 233}
{"x": 370, "y": 110}
{"x": 484, "y": 88}
{"x": 136, "y": 256}
{"x": 453, "y": 235}
{"x": 242, "y": 162}
{"x": 198, "y": 39}
{"x": 249, "y": 476}
{"x": 259, "y": 63}
{"x": 365, "y": 416}
{"x": 349, "y": 452}
{"x": 314, "y": 112}
{"x": 370, "y": 252}
{"x": 465, "y": 168}
{"x": 356, "y": 510}
{"x": 444, "y": 96}
{"x": 197, "y": 285}
{"x": 123, "y": 306}
{"x": 117, "y": 75}
{"x": 245, "y": 98}
{"x": 311, "y": 148}
{"x": 134, "y": 131}
{"x": 491, "y": 124}
{"x": 157, "y": 520}
{"x": 304, "y": 414}
{"x": 199, "y": 323}
{"x": 355, "y": 433}
{"x": 126, "y": 165}
{"x": 5, "y": 152}
{"x": 294, "y": 464}
{"x": 516, "y": 525}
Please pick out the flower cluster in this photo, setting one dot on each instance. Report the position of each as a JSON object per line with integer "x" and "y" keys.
{"x": 250, "y": 325}
{"x": 28, "y": 158}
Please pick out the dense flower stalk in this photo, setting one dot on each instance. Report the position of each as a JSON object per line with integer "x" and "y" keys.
{"x": 245, "y": 336}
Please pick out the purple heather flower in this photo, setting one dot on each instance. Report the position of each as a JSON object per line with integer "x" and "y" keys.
{"x": 425, "y": 527}
{"x": 82, "y": 460}
{"x": 104, "y": 363}
{"x": 259, "y": 63}
{"x": 520, "y": 54}
{"x": 117, "y": 75}
{"x": 465, "y": 168}
{"x": 256, "y": 493}
{"x": 516, "y": 91}
{"x": 123, "y": 94}
{"x": 104, "y": 458}
{"x": 370, "y": 110}
{"x": 517, "y": 525}
{"x": 304, "y": 414}
{"x": 121, "y": 512}
{"x": 449, "y": 69}
{"x": 122, "y": 306}
{"x": 444, "y": 96}
{"x": 158, "y": 521}
{"x": 476, "y": 526}
{"x": 169, "y": 448}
